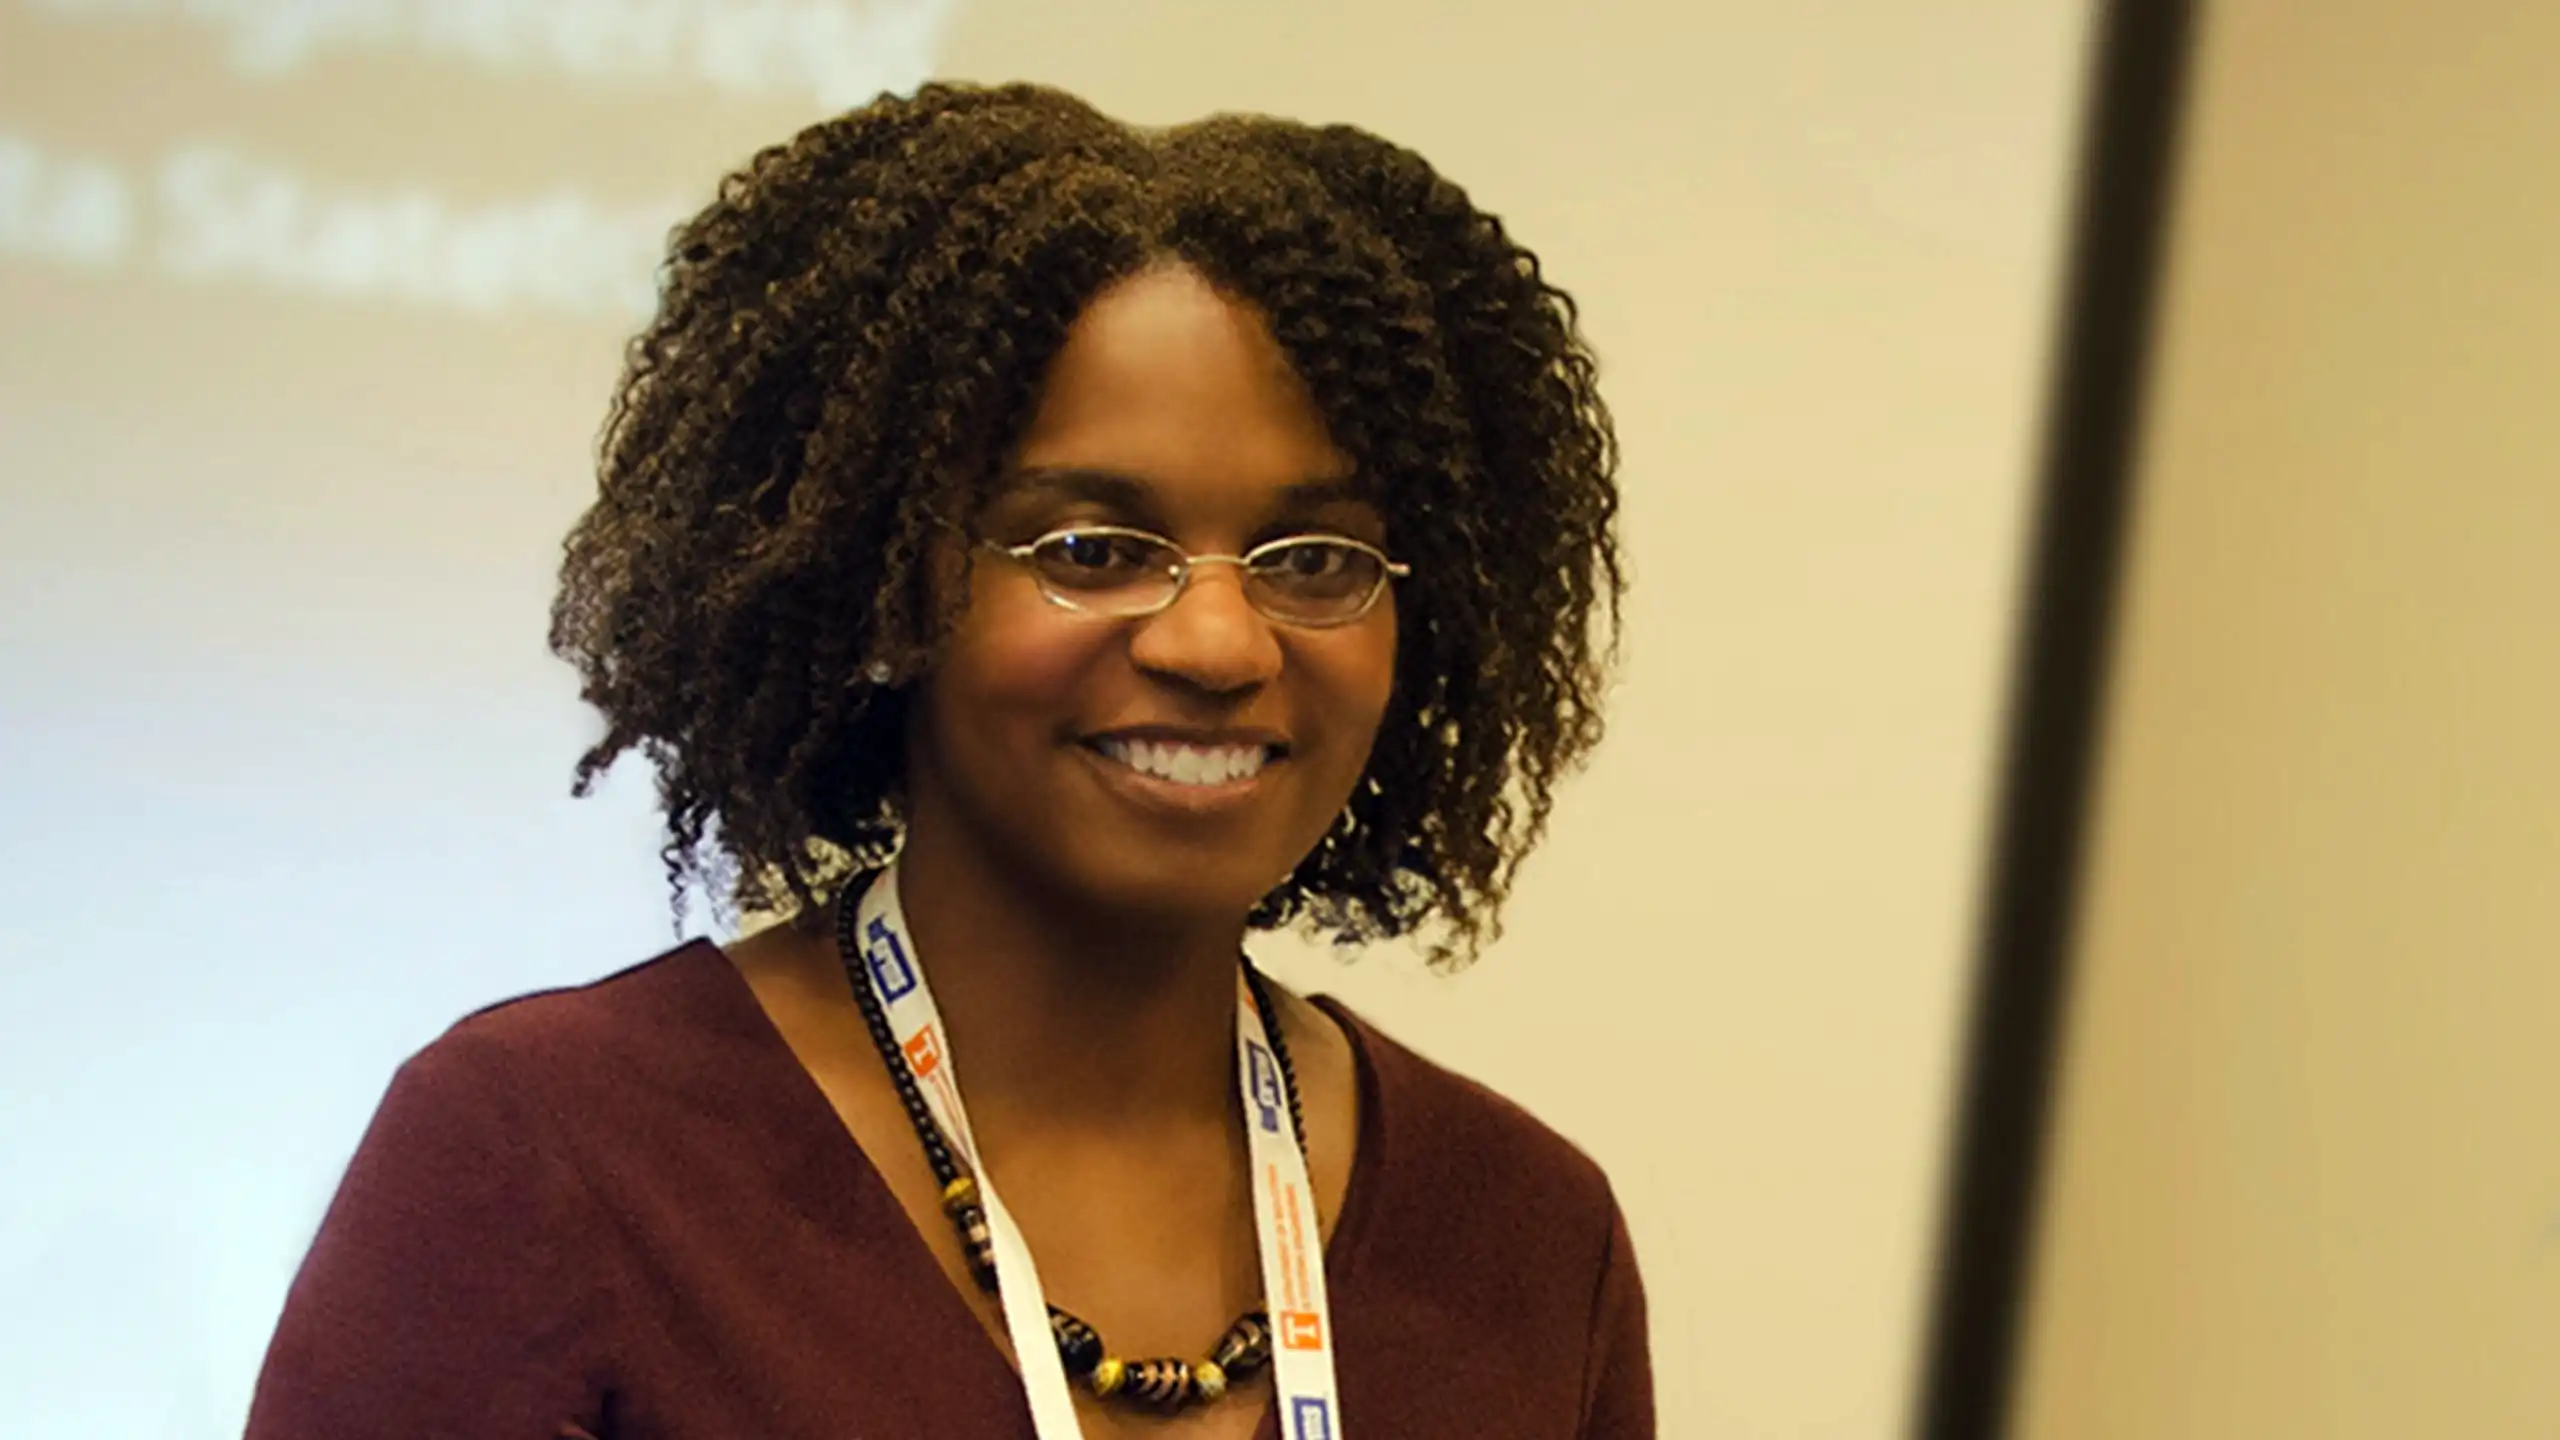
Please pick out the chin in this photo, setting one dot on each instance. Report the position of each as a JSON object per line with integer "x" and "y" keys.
{"x": 1179, "y": 888}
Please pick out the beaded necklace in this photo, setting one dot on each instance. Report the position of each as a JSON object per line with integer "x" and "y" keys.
{"x": 1164, "y": 1382}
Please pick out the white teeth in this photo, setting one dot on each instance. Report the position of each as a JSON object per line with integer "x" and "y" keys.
{"x": 1187, "y": 764}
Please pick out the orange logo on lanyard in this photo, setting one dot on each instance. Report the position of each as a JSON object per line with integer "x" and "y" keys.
{"x": 923, "y": 1054}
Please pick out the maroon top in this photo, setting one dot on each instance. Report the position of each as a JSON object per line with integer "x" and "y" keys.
{"x": 625, "y": 1211}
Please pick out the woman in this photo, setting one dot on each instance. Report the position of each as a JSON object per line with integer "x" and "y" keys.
{"x": 1036, "y": 552}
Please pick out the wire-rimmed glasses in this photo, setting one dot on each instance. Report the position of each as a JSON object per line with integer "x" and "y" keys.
{"x": 1314, "y": 581}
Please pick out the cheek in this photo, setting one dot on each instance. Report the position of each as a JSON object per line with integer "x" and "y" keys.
{"x": 1356, "y": 671}
{"x": 1011, "y": 656}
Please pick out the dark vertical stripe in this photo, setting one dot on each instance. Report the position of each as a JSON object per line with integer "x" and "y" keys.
{"x": 2057, "y": 693}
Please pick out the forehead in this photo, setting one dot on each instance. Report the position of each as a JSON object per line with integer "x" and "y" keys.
{"x": 1170, "y": 381}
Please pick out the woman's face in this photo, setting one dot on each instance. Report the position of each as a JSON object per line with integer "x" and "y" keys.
{"x": 1178, "y": 764}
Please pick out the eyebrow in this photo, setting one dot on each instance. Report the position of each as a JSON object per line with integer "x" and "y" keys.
{"x": 1103, "y": 487}
{"x": 1109, "y": 487}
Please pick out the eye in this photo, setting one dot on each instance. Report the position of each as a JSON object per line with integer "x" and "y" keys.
{"x": 1089, "y": 552}
{"x": 1318, "y": 566}
{"x": 1100, "y": 559}
{"x": 1315, "y": 557}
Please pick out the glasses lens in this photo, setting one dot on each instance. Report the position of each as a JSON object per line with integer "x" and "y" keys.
{"x": 1317, "y": 579}
{"x": 1106, "y": 569}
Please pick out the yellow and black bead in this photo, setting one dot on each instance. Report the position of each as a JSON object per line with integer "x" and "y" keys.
{"x": 976, "y": 1240}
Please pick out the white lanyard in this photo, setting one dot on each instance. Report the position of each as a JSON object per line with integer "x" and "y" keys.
{"x": 1284, "y": 1218}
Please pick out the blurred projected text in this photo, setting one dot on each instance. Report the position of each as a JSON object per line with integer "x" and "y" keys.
{"x": 830, "y": 51}
{"x": 207, "y": 210}
{"x": 214, "y": 213}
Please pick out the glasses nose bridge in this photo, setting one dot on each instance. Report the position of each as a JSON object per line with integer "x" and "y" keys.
{"x": 1188, "y": 565}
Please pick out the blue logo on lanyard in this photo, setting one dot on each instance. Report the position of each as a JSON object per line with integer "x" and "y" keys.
{"x": 888, "y": 961}
{"x": 1266, "y": 1084}
{"x": 1310, "y": 1419}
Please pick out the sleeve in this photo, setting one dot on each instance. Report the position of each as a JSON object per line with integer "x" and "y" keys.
{"x": 1617, "y": 1384}
{"x": 441, "y": 1296}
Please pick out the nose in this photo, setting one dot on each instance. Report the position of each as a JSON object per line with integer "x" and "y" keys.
{"x": 1210, "y": 637}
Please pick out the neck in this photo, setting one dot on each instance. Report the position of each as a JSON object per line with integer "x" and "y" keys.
{"x": 1066, "y": 1017}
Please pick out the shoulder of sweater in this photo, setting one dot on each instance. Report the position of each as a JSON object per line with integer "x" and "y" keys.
{"x": 574, "y": 1027}
{"x": 1461, "y": 1133}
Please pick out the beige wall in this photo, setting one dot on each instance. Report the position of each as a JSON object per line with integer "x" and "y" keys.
{"x": 2308, "y": 1176}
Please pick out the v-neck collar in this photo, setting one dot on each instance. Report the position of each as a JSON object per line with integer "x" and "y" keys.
{"x": 875, "y": 1207}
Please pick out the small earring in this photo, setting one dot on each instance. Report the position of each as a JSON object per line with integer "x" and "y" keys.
{"x": 878, "y": 672}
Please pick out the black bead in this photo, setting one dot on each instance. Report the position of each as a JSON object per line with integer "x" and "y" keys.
{"x": 1079, "y": 1345}
{"x": 1246, "y": 1347}
{"x": 1160, "y": 1382}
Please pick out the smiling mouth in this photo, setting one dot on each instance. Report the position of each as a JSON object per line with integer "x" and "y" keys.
{"x": 1182, "y": 763}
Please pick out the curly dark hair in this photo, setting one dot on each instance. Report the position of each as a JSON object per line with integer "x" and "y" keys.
{"x": 848, "y": 342}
